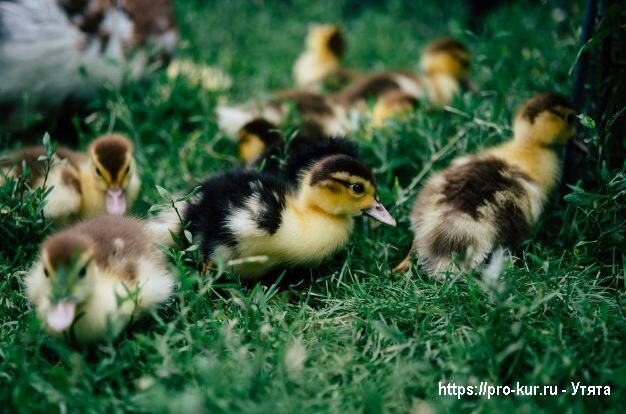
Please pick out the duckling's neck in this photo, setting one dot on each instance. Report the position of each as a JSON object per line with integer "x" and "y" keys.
{"x": 542, "y": 164}
{"x": 93, "y": 199}
{"x": 302, "y": 204}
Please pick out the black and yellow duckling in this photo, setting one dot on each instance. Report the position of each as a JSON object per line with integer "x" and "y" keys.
{"x": 492, "y": 199}
{"x": 300, "y": 219}
{"x": 91, "y": 280}
{"x": 104, "y": 180}
{"x": 262, "y": 145}
{"x": 318, "y": 68}
{"x": 258, "y": 140}
{"x": 314, "y": 110}
{"x": 445, "y": 66}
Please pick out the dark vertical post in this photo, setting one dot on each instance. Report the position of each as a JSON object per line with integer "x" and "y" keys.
{"x": 570, "y": 172}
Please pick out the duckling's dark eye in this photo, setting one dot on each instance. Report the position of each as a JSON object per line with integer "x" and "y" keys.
{"x": 45, "y": 272}
{"x": 570, "y": 119}
{"x": 127, "y": 170}
{"x": 82, "y": 273}
{"x": 358, "y": 188}
{"x": 98, "y": 171}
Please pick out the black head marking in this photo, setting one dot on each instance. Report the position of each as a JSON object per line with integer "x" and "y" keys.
{"x": 307, "y": 152}
{"x": 543, "y": 102}
{"x": 337, "y": 43}
{"x": 111, "y": 152}
{"x": 326, "y": 167}
{"x": 265, "y": 130}
{"x": 453, "y": 47}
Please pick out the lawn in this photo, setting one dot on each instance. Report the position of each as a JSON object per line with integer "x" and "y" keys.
{"x": 346, "y": 337}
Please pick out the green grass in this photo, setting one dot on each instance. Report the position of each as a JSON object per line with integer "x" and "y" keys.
{"x": 349, "y": 338}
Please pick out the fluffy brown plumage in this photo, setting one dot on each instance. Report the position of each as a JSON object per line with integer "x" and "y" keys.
{"x": 493, "y": 198}
{"x": 93, "y": 279}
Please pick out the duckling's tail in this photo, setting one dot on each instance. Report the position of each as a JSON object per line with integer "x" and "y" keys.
{"x": 449, "y": 243}
{"x": 230, "y": 119}
{"x": 164, "y": 225}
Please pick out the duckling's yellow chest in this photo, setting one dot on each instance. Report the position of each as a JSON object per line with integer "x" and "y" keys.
{"x": 303, "y": 238}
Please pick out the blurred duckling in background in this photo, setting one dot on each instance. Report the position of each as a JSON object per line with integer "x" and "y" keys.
{"x": 493, "y": 198}
{"x": 262, "y": 145}
{"x": 104, "y": 180}
{"x": 95, "y": 278}
{"x": 445, "y": 66}
{"x": 258, "y": 140}
{"x": 255, "y": 222}
{"x": 392, "y": 104}
{"x": 315, "y": 110}
{"x": 318, "y": 68}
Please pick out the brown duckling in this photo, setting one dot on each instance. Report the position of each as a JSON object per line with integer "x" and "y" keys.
{"x": 93, "y": 279}
{"x": 445, "y": 66}
{"x": 492, "y": 198}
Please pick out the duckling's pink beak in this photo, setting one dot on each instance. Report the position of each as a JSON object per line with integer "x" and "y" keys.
{"x": 115, "y": 201}
{"x": 61, "y": 316}
{"x": 380, "y": 213}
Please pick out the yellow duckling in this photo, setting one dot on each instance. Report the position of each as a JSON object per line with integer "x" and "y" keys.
{"x": 492, "y": 199}
{"x": 95, "y": 278}
{"x": 318, "y": 68}
{"x": 102, "y": 181}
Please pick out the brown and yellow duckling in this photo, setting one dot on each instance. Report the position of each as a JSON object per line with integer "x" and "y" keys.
{"x": 445, "y": 66}
{"x": 318, "y": 68}
{"x": 104, "y": 180}
{"x": 298, "y": 220}
{"x": 93, "y": 279}
{"x": 493, "y": 198}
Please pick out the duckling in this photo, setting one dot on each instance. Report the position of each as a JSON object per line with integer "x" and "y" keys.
{"x": 390, "y": 105}
{"x": 258, "y": 140}
{"x": 261, "y": 144}
{"x": 445, "y": 65}
{"x": 318, "y": 68}
{"x": 299, "y": 220}
{"x": 109, "y": 180}
{"x": 493, "y": 198}
{"x": 93, "y": 279}
{"x": 316, "y": 110}
{"x": 61, "y": 52}
{"x": 102, "y": 181}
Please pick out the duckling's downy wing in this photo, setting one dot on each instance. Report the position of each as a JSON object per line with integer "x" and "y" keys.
{"x": 233, "y": 206}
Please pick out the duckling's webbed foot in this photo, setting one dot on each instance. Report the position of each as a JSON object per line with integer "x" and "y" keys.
{"x": 405, "y": 264}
